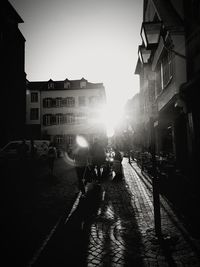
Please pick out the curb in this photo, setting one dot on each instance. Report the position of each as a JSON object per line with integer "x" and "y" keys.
{"x": 167, "y": 206}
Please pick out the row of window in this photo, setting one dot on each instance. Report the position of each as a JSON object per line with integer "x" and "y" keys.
{"x": 67, "y": 85}
{"x": 68, "y": 118}
{"x": 63, "y": 102}
{"x": 67, "y": 139}
{"x": 58, "y": 102}
{"x": 69, "y": 101}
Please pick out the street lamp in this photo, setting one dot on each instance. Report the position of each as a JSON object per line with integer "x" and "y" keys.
{"x": 150, "y": 33}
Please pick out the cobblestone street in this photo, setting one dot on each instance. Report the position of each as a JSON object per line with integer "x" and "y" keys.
{"x": 118, "y": 230}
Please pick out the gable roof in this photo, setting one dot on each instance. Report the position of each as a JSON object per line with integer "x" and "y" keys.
{"x": 8, "y": 10}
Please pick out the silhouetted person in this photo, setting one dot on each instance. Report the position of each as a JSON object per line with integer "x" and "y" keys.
{"x": 81, "y": 157}
{"x": 51, "y": 157}
{"x": 117, "y": 165}
{"x": 97, "y": 154}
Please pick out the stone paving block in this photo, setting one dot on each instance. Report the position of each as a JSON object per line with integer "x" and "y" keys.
{"x": 123, "y": 232}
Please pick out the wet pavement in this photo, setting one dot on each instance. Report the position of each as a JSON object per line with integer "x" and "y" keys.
{"x": 114, "y": 226}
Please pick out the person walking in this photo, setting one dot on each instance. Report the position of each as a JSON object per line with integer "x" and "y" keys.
{"x": 117, "y": 165}
{"x": 51, "y": 157}
{"x": 97, "y": 158}
{"x": 81, "y": 158}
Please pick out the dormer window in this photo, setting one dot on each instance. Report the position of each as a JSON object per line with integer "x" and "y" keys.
{"x": 83, "y": 83}
{"x": 66, "y": 84}
{"x": 50, "y": 85}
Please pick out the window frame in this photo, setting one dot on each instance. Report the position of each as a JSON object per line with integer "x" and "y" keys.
{"x": 34, "y": 114}
{"x": 34, "y": 97}
{"x": 47, "y": 119}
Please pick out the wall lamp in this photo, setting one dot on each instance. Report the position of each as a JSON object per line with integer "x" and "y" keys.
{"x": 151, "y": 32}
{"x": 144, "y": 54}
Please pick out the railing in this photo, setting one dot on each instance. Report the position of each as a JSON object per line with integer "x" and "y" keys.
{"x": 165, "y": 166}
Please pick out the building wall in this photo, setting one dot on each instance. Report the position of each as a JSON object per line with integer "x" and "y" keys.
{"x": 61, "y": 121}
{"x": 13, "y": 77}
{"x": 86, "y": 128}
{"x": 32, "y": 104}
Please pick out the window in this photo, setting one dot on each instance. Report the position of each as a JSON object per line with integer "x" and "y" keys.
{"x": 81, "y": 101}
{"x": 69, "y": 139}
{"x": 158, "y": 80}
{"x": 34, "y": 97}
{"x": 34, "y": 114}
{"x": 53, "y": 119}
{"x": 58, "y": 101}
{"x": 81, "y": 118}
{"x": 66, "y": 85}
{"x": 70, "y": 101}
{"x": 166, "y": 70}
{"x": 59, "y": 118}
{"x": 64, "y": 102}
{"x": 70, "y": 118}
{"x": 59, "y": 139}
{"x": 83, "y": 84}
{"x": 47, "y": 119}
{"x": 47, "y": 102}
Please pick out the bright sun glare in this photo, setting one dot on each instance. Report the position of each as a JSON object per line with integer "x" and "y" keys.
{"x": 110, "y": 116}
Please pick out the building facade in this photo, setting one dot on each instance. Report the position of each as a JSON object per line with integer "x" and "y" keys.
{"x": 162, "y": 69}
{"x": 189, "y": 90}
{"x": 61, "y": 110}
{"x": 13, "y": 77}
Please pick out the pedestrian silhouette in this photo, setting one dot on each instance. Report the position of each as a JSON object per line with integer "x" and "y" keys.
{"x": 81, "y": 157}
{"x": 117, "y": 165}
{"x": 97, "y": 158}
{"x": 51, "y": 157}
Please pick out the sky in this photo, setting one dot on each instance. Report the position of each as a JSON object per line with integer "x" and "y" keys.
{"x": 94, "y": 39}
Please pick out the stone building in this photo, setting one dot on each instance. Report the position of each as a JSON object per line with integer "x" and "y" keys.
{"x": 162, "y": 69}
{"x": 61, "y": 110}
